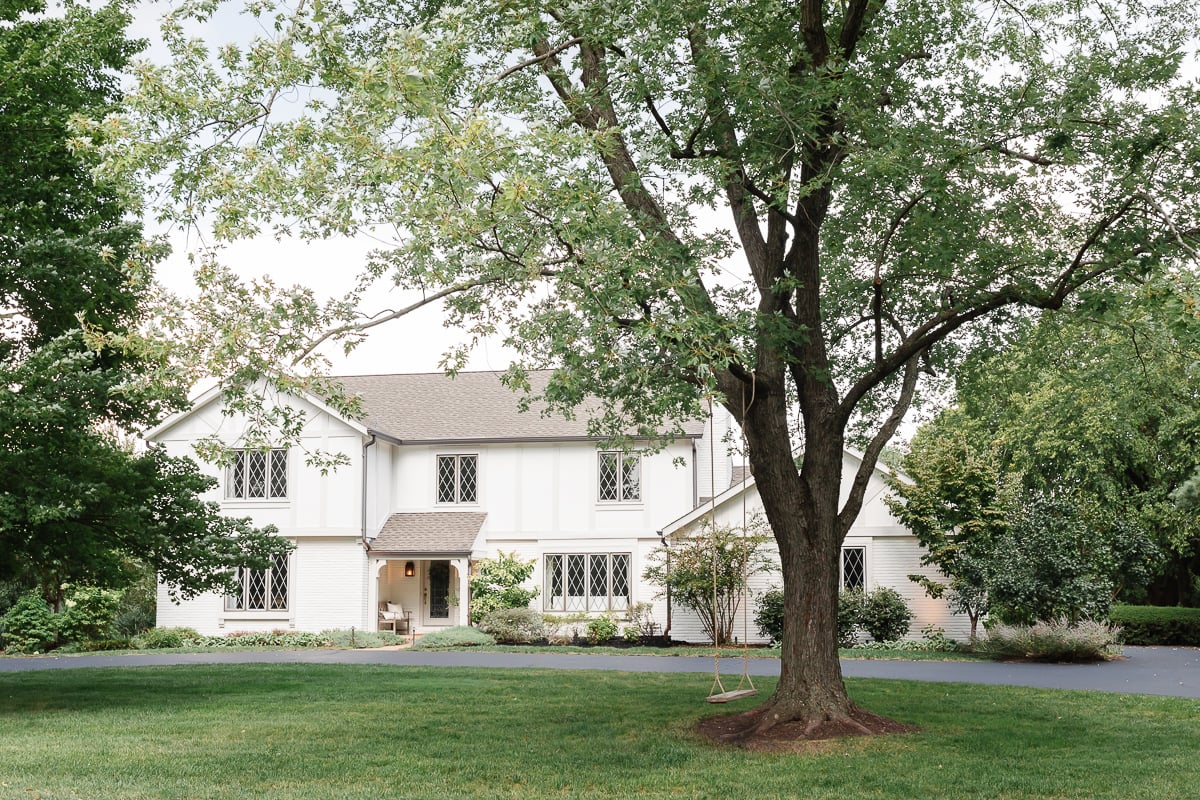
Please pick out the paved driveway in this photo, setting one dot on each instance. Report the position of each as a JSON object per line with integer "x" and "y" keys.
{"x": 1167, "y": 671}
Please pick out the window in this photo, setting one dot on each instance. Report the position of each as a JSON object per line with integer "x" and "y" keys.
{"x": 620, "y": 477}
{"x": 587, "y": 582}
{"x": 854, "y": 568}
{"x": 261, "y": 589}
{"x": 257, "y": 474}
{"x": 457, "y": 479}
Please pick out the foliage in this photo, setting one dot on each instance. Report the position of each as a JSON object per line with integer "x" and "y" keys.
{"x": 349, "y": 638}
{"x": 164, "y": 638}
{"x": 88, "y": 614}
{"x": 79, "y": 504}
{"x": 1157, "y": 625}
{"x": 687, "y": 565}
{"x": 455, "y": 636}
{"x": 769, "y": 616}
{"x": 29, "y": 626}
{"x": 514, "y": 625}
{"x": 849, "y": 615}
{"x": 564, "y": 627}
{"x": 602, "y": 628}
{"x": 139, "y": 605}
{"x": 641, "y": 620}
{"x": 1053, "y": 640}
{"x": 933, "y": 640}
{"x": 1056, "y": 560}
{"x": 885, "y": 615}
{"x": 497, "y": 585}
{"x": 103, "y": 645}
{"x": 889, "y": 200}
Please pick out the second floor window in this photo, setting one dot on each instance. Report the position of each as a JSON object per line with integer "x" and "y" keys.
{"x": 257, "y": 474}
{"x": 620, "y": 477}
{"x": 457, "y": 479}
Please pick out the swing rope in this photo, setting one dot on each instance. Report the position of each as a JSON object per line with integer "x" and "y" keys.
{"x": 745, "y": 687}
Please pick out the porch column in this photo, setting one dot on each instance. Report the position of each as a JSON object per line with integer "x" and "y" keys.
{"x": 462, "y": 565}
{"x": 377, "y": 565}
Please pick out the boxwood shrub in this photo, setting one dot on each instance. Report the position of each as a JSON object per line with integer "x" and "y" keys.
{"x": 1161, "y": 625}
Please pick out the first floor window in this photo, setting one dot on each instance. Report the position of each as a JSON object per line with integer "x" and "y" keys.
{"x": 457, "y": 479}
{"x": 587, "y": 581}
{"x": 854, "y": 567}
{"x": 261, "y": 589}
{"x": 620, "y": 477}
{"x": 257, "y": 474}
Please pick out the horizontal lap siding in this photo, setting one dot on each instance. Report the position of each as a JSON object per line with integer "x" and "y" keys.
{"x": 890, "y": 561}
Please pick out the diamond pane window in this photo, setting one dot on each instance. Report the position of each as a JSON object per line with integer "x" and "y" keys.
{"x": 457, "y": 479}
{"x": 620, "y": 582}
{"x": 257, "y": 475}
{"x": 620, "y": 477}
{"x": 854, "y": 568}
{"x": 576, "y": 583}
{"x": 261, "y": 589}
{"x": 598, "y": 583}
{"x": 587, "y": 582}
{"x": 554, "y": 583}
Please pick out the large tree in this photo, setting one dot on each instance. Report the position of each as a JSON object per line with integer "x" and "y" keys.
{"x": 797, "y": 207}
{"x": 76, "y": 502}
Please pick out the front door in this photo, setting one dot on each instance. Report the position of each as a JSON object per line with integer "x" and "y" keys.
{"x": 437, "y": 593}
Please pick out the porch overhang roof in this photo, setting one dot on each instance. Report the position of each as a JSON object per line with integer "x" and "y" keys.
{"x": 428, "y": 533}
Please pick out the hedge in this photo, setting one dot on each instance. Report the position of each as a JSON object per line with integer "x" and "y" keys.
{"x": 1161, "y": 625}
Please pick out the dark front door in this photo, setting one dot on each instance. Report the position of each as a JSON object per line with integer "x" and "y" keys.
{"x": 437, "y": 592}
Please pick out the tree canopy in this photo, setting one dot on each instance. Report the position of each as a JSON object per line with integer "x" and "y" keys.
{"x": 77, "y": 504}
{"x": 800, "y": 208}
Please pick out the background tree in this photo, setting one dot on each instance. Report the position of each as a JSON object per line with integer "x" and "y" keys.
{"x": 893, "y": 183}
{"x": 76, "y": 503}
{"x": 688, "y": 567}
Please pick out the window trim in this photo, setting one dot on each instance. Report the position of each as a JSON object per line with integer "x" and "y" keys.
{"x": 437, "y": 479}
{"x": 270, "y": 455}
{"x": 621, "y": 499}
{"x": 587, "y": 596}
{"x": 243, "y": 576}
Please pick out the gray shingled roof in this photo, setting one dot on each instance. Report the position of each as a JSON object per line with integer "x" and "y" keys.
{"x": 431, "y": 532}
{"x": 434, "y": 407}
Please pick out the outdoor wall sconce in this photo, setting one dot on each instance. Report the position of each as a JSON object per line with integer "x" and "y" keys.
{"x": 409, "y": 569}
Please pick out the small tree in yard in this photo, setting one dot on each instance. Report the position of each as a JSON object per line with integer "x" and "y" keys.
{"x": 687, "y": 566}
{"x": 497, "y": 584}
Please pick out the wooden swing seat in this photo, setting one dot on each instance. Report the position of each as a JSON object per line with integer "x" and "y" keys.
{"x": 728, "y": 697}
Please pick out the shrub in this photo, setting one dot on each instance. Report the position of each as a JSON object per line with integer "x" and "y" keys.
{"x": 30, "y": 626}
{"x": 498, "y": 585}
{"x": 641, "y": 619}
{"x": 885, "y": 615}
{"x": 769, "y": 617}
{"x": 98, "y": 645}
{"x": 514, "y": 625}
{"x": 1157, "y": 625}
{"x": 849, "y": 615}
{"x": 276, "y": 638}
{"x": 88, "y": 614}
{"x": 162, "y": 638}
{"x": 563, "y": 628}
{"x": 933, "y": 640}
{"x": 458, "y": 636}
{"x": 349, "y": 638}
{"x": 1056, "y": 640}
{"x": 138, "y": 606}
{"x": 601, "y": 629}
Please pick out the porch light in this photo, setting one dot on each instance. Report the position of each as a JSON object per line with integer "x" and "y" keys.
{"x": 409, "y": 569}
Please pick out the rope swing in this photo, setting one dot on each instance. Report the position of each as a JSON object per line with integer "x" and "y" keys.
{"x": 745, "y": 688}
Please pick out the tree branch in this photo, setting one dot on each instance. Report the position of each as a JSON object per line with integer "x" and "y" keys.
{"x": 549, "y": 52}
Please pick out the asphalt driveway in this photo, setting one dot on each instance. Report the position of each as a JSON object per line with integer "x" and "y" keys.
{"x": 1166, "y": 671}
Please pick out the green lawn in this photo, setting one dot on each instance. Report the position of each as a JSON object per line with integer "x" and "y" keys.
{"x": 325, "y": 731}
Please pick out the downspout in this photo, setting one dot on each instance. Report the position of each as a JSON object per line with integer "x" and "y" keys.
{"x": 695, "y": 476}
{"x": 667, "y": 547}
{"x": 366, "y": 445}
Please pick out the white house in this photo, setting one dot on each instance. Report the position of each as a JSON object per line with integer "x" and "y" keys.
{"x": 446, "y": 471}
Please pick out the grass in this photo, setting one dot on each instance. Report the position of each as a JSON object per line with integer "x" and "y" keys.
{"x": 706, "y": 651}
{"x": 348, "y": 732}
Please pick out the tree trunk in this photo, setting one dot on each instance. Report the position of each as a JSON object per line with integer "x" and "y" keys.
{"x": 802, "y": 508}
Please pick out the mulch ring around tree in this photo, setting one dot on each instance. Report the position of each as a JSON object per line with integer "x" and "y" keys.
{"x": 739, "y": 730}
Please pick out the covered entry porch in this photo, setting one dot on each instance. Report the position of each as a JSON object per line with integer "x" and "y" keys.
{"x": 421, "y": 565}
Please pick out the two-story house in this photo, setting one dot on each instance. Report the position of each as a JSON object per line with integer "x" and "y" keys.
{"x": 445, "y": 471}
